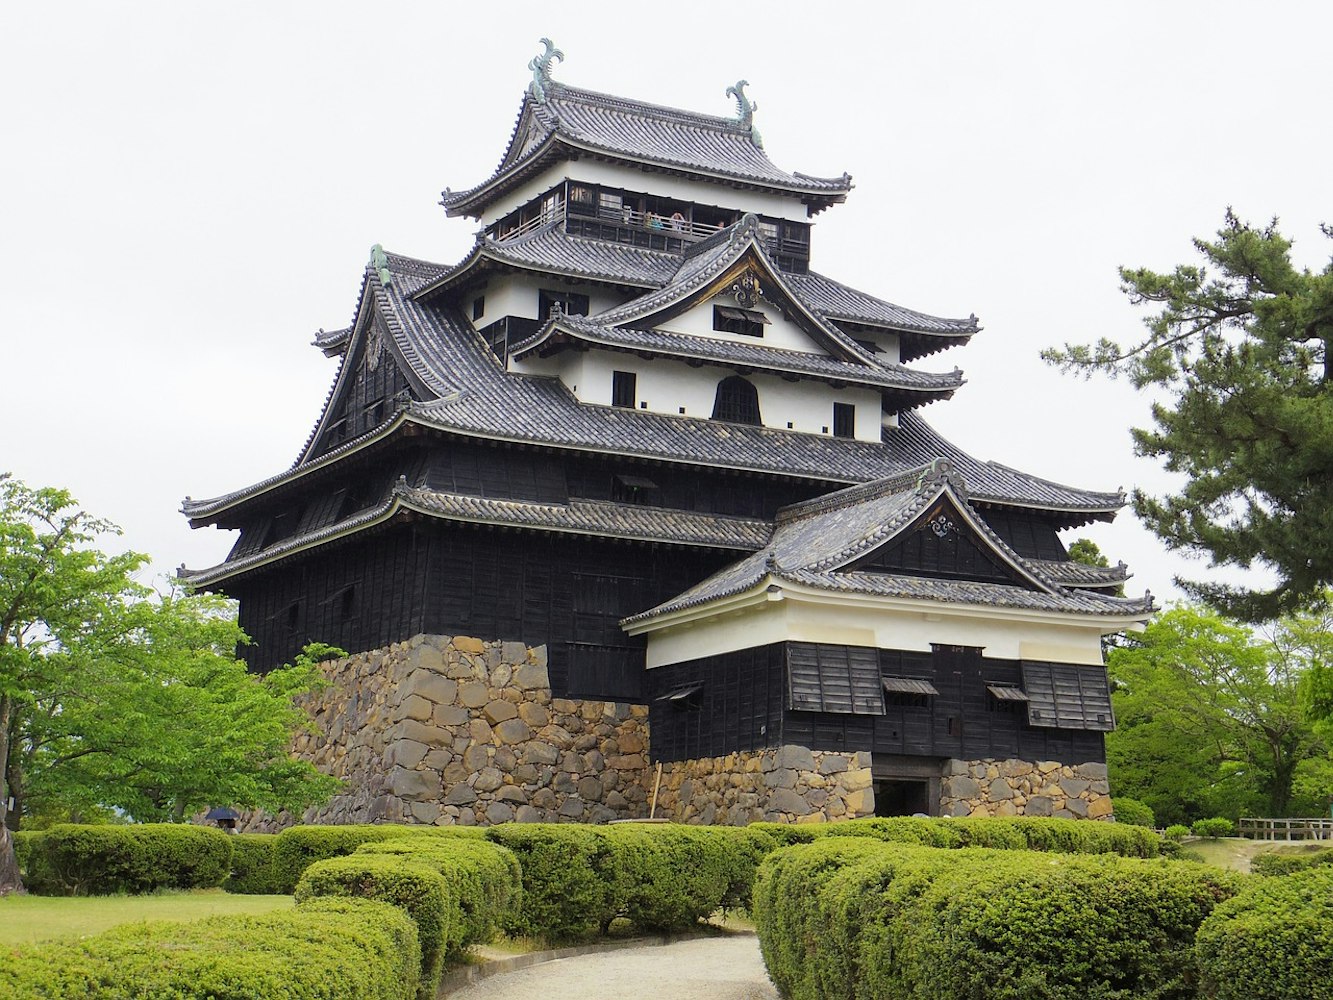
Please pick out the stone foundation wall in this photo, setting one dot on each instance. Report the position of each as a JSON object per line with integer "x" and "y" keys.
{"x": 788, "y": 784}
{"x": 1022, "y": 788}
{"x": 452, "y": 729}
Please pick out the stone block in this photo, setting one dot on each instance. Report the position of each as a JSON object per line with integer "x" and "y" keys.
{"x": 438, "y": 759}
{"x": 460, "y": 795}
{"x": 563, "y": 706}
{"x": 527, "y": 814}
{"x": 425, "y": 812}
{"x": 533, "y": 714}
{"x": 543, "y": 798}
{"x": 451, "y": 715}
{"x": 784, "y": 778}
{"x": 1099, "y": 808}
{"x": 784, "y": 800}
{"x": 498, "y": 711}
{"x": 1038, "y": 805}
{"x": 538, "y": 753}
{"x": 426, "y": 658}
{"x": 512, "y": 793}
{"x": 961, "y": 786}
{"x": 1005, "y": 808}
{"x": 431, "y": 686}
{"x": 474, "y": 694}
{"x": 407, "y": 753}
{"x": 513, "y": 731}
{"x": 590, "y": 788}
{"x": 560, "y": 737}
{"x": 488, "y": 779}
{"x": 1092, "y": 771}
{"x": 861, "y": 777}
{"x": 630, "y": 742}
{"x": 514, "y": 652}
{"x": 999, "y": 790}
{"x": 860, "y": 802}
{"x": 467, "y": 644}
{"x": 475, "y": 757}
{"x": 832, "y": 764}
{"x": 1074, "y": 787}
{"x": 573, "y": 807}
{"x": 499, "y": 812}
{"x": 796, "y": 757}
{"x": 415, "y": 707}
{"x": 532, "y": 675}
{"x": 505, "y": 759}
{"x": 408, "y": 784}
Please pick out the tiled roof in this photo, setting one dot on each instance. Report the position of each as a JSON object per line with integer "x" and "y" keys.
{"x": 757, "y": 356}
{"x": 583, "y": 121}
{"x": 332, "y": 342}
{"x": 841, "y": 302}
{"x": 1073, "y": 574}
{"x": 466, "y": 391}
{"x": 583, "y": 517}
{"x": 815, "y": 541}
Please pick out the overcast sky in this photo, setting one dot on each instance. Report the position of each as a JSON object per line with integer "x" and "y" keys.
{"x": 188, "y": 192}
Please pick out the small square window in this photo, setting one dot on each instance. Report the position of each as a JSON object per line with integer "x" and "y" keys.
{"x": 479, "y": 307}
{"x": 747, "y": 322}
{"x": 624, "y": 389}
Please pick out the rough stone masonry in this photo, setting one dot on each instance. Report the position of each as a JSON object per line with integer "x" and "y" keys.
{"x": 453, "y": 729}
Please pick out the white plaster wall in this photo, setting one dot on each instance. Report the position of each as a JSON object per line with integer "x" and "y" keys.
{"x": 886, "y": 342}
{"x": 797, "y": 621}
{"x": 682, "y": 189}
{"x": 517, "y": 295}
{"x": 779, "y": 332}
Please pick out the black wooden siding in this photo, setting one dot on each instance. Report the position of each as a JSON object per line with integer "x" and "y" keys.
{"x": 963, "y": 721}
{"x": 940, "y": 546}
{"x": 565, "y": 592}
{"x": 370, "y": 396}
{"x": 1027, "y": 534}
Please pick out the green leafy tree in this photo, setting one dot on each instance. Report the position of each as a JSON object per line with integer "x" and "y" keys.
{"x": 1213, "y": 719}
{"x": 1239, "y": 352}
{"x": 112, "y": 699}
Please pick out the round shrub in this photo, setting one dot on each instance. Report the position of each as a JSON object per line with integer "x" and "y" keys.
{"x": 1218, "y": 826}
{"x": 99, "y": 860}
{"x": 298, "y": 847}
{"x": 1132, "y": 812}
{"x": 1275, "y": 939}
{"x": 416, "y": 888}
{"x": 484, "y": 878}
{"x": 1176, "y": 832}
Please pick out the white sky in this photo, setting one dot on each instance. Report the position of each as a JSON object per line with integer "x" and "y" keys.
{"x": 188, "y": 191}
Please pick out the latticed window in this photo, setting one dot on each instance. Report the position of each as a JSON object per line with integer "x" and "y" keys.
{"x": 737, "y": 402}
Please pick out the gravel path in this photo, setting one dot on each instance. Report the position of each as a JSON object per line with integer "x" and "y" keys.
{"x": 715, "y": 968}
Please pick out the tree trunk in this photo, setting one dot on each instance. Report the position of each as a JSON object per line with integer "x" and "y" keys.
{"x": 10, "y": 880}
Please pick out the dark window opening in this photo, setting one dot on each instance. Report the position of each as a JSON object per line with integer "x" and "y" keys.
{"x": 748, "y": 322}
{"x": 479, "y": 307}
{"x": 282, "y": 526}
{"x": 293, "y": 618}
{"x": 844, "y": 420}
{"x": 337, "y": 432}
{"x": 571, "y": 303}
{"x": 902, "y": 798}
{"x": 684, "y": 697}
{"x": 633, "y": 489}
{"x": 624, "y": 389}
{"x": 737, "y": 401}
{"x": 347, "y": 608}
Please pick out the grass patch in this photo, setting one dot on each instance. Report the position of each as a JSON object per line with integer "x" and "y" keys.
{"x": 1236, "y": 853}
{"x": 26, "y": 920}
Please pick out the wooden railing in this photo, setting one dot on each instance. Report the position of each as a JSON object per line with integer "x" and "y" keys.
{"x": 1316, "y": 828}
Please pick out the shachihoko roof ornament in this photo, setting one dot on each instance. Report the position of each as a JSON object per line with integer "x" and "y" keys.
{"x": 379, "y": 260}
{"x": 541, "y": 70}
{"x": 745, "y": 110}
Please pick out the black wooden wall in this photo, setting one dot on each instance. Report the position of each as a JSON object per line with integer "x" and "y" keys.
{"x": 743, "y": 706}
{"x": 566, "y": 592}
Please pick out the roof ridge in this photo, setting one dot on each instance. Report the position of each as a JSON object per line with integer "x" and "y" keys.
{"x": 557, "y": 91}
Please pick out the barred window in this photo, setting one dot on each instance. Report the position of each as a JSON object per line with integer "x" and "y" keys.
{"x": 737, "y": 401}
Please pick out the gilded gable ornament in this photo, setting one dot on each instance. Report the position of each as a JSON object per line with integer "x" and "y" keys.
{"x": 746, "y": 289}
{"x": 942, "y": 526}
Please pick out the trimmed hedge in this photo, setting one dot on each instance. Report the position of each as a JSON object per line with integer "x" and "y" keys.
{"x": 578, "y": 879}
{"x": 483, "y": 878}
{"x": 1287, "y": 864}
{"x": 1217, "y": 826}
{"x": 325, "y": 950}
{"x": 1275, "y": 939}
{"x": 1065, "y": 836}
{"x": 841, "y": 918}
{"x": 24, "y": 841}
{"x": 299, "y": 847}
{"x": 252, "y": 865}
{"x": 100, "y": 860}
{"x": 416, "y": 888}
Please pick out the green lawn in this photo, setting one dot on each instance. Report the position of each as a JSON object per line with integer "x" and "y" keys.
{"x": 1236, "y": 852}
{"x": 34, "y": 919}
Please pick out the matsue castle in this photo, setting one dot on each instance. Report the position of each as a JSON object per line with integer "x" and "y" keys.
{"x": 635, "y": 484}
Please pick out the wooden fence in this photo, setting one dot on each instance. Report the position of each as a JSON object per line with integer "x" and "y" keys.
{"x": 1316, "y": 828}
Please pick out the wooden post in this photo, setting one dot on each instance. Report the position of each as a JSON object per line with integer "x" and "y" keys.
{"x": 652, "y": 809}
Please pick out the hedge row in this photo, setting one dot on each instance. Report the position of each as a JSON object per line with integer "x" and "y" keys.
{"x": 1287, "y": 864}
{"x": 252, "y": 871}
{"x": 101, "y": 860}
{"x": 323, "y": 950}
{"x": 298, "y": 847}
{"x": 578, "y": 879}
{"x": 842, "y": 919}
{"x": 1275, "y": 939}
{"x": 1064, "y": 836}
